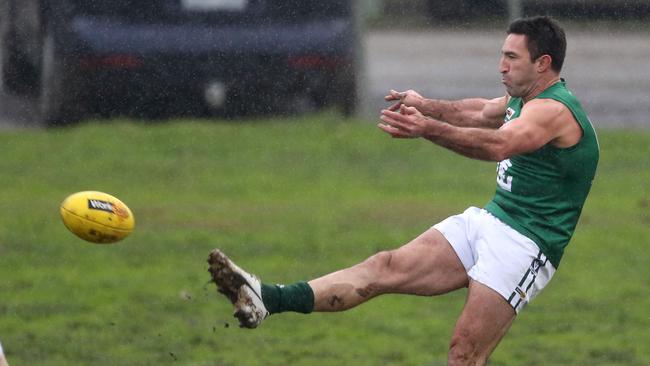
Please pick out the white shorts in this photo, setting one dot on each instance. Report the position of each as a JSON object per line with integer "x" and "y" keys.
{"x": 498, "y": 256}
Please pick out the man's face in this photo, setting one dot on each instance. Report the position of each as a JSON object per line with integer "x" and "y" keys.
{"x": 518, "y": 72}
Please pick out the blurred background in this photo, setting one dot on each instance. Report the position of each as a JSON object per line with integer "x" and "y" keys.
{"x": 66, "y": 61}
{"x": 263, "y": 146}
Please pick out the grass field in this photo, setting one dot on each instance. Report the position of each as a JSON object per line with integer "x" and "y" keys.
{"x": 291, "y": 199}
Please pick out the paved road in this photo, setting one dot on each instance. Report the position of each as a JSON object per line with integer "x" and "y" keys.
{"x": 609, "y": 72}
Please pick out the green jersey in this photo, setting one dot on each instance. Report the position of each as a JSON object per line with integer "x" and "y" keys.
{"x": 541, "y": 194}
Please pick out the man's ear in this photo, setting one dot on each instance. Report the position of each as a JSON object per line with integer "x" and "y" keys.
{"x": 544, "y": 63}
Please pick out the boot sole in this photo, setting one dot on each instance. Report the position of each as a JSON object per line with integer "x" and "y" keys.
{"x": 231, "y": 284}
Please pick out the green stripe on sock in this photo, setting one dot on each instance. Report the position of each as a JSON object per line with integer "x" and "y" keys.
{"x": 298, "y": 297}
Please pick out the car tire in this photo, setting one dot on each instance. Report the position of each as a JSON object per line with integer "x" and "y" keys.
{"x": 55, "y": 97}
{"x": 10, "y": 61}
{"x": 350, "y": 97}
{"x": 346, "y": 90}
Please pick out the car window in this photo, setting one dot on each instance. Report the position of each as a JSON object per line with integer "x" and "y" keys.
{"x": 216, "y": 10}
{"x": 118, "y": 7}
{"x": 214, "y": 5}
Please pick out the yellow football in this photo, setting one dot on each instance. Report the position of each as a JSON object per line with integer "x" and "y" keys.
{"x": 97, "y": 217}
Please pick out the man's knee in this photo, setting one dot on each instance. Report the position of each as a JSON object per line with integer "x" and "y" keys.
{"x": 379, "y": 263}
{"x": 464, "y": 350}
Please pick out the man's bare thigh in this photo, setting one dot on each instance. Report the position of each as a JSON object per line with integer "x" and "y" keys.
{"x": 428, "y": 265}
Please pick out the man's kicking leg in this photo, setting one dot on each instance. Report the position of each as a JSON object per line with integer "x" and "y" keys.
{"x": 426, "y": 266}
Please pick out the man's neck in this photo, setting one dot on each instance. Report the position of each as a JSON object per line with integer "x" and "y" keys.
{"x": 541, "y": 85}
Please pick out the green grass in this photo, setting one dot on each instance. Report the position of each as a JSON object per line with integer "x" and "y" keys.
{"x": 290, "y": 199}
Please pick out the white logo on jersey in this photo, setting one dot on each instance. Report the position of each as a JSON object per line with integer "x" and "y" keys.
{"x": 504, "y": 180}
{"x": 509, "y": 113}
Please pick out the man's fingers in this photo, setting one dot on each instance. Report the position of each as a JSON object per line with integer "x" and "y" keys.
{"x": 394, "y": 95}
{"x": 394, "y": 132}
{"x": 393, "y": 114}
{"x": 394, "y": 119}
{"x": 407, "y": 110}
{"x": 395, "y": 106}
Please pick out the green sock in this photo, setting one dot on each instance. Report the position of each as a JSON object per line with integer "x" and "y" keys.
{"x": 298, "y": 297}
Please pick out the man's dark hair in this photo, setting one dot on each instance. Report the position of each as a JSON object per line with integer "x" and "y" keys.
{"x": 544, "y": 36}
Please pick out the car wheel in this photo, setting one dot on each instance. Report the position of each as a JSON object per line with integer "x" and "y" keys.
{"x": 54, "y": 100}
{"x": 10, "y": 61}
{"x": 349, "y": 104}
{"x": 346, "y": 90}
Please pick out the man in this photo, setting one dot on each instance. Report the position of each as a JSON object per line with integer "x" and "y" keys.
{"x": 546, "y": 152}
{"x": 3, "y": 360}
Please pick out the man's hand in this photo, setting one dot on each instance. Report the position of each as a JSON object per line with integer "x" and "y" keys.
{"x": 406, "y": 122}
{"x": 409, "y": 98}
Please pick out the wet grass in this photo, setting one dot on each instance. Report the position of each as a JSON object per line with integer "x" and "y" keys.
{"x": 291, "y": 199}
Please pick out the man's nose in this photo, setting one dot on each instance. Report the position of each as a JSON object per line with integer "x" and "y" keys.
{"x": 503, "y": 66}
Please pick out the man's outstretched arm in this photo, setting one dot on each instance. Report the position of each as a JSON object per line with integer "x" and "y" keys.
{"x": 471, "y": 112}
{"x": 540, "y": 122}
